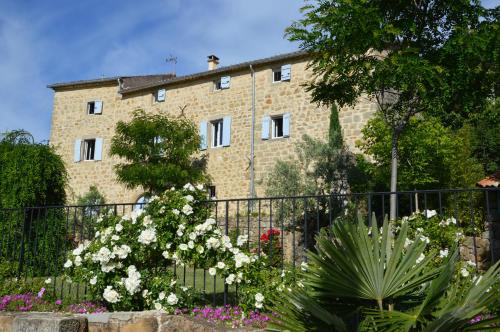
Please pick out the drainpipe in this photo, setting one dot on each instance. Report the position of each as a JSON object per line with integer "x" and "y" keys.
{"x": 252, "y": 138}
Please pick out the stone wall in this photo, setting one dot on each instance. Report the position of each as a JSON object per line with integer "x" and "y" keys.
{"x": 482, "y": 247}
{"x": 228, "y": 166}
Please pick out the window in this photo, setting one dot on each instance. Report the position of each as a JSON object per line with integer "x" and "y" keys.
{"x": 88, "y": 149}
{"x": 223, "y": 83}
{"x": 217, "y": 85}
{"x": 94, "y": 107}
{"x": 141, "y": 203}
{"x": 277, "y": 75}
{"x": 160, "y": 95}
{"x": 211, "y": 192}
{"x": 277, "y": 127}
{"x": 217, "y": 129}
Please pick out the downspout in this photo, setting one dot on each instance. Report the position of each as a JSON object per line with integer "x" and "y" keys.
{"x": 252, "y": 138}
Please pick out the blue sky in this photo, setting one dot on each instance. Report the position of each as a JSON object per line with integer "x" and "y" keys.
{"x": 43, "y": 42}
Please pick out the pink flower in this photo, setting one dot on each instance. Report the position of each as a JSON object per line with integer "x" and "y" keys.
{"x": 40, "y": 293}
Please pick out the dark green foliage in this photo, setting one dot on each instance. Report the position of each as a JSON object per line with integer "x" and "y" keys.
{"x": 30, "y": 174}
{"x": 430, "y": 155}
{"x": 485, "y": 138}
{"x": 158, "y": 152}
{"x": 92, "y": 197}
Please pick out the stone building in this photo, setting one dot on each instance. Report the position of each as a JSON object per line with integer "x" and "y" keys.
{"x": 261, "y": 101}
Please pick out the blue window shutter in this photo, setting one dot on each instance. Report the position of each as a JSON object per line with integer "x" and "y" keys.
{"x": 97, "y": 107}
{"x": 78, "y": 150}
{"x": 286, "y": 71}
{"x": 286, "y": 125}
{"x": 226, "y": 131}
{"x": 203, "y": 135}
{"x": 225, "y": 82}
{"x": 98, "y": 149}
{"x": 266, "y": 126}
{"x": 161, "y": 94}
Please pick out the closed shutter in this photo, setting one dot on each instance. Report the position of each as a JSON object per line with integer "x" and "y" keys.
{"x": 266, "y": 126}
{"x": 98, "y": 149}
{"x": 225, "y": 82}
{"x": 98, "y": 107}
{"x": 286, "y": 72}
{"x": 226, "y": 131}
{"x": 77, "y": 150}
{"x": 161, "y": 94}
{"x": 286, "y": 125}
{"x": 203, "y": 135}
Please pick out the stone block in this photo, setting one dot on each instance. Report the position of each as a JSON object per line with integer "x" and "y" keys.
{"x": 48, "y": 322}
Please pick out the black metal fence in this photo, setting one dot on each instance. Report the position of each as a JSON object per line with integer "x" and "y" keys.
{"x": 34, "y": 241}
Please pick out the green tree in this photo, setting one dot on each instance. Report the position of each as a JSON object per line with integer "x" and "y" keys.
{"x": 430, "y": 155}
{"x": 383, "y": 50}
{"x": 31, "y": 174}
{"x": 158, "y": 152}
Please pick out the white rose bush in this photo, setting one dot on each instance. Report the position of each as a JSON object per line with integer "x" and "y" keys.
{"x": 128, "y": 264}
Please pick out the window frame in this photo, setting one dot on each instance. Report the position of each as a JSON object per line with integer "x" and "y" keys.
{"x": 220, "y": 131}
{"x": 275, "y": 71}
{"x": 273, "y": 131}
{"x": 218, "y": 84}
{"x": 89, "y": 105}
{"x": 212, "y": 193}
{"x": 85, "y": 149}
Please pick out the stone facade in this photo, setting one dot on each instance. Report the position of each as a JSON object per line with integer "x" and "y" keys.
{"x": 199, "y": 101}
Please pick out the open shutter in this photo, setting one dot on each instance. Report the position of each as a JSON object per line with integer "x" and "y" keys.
{"x": 266, "y": 125}
{"x": 286, "y": 125}
{"x": 98, "y": 107}
{"x": 203, "y": 135}
{"x": 161, "y": 95}
{"x": 286, "y": 72}
{"x": 77, "y": 150}
{"x": 226, "y": 131}
{"x": 225, "y": 82}
{"x": 98, "y": 149}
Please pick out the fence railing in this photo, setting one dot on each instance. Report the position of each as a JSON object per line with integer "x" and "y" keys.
{"x": 34, "y": 241}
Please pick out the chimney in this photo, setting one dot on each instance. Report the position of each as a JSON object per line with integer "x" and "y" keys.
{"x": 213, "y": 61}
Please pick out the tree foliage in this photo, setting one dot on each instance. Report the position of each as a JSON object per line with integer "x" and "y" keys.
{"x": 30, "y": 174}
{"x": 430, "y": 155}
{"x": 158, "y": 152}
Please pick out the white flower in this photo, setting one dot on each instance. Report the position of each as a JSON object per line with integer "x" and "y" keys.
{"x": 122, "y": 251}
{"x": 97, "y": 234}
{"x": 180, "y": 233}
{"x": 78, "y": 261}
{"x": 443, "y": 253}
{"x": 187, "y": 209}
{"x": 425, "y": 239}
{"x": 420, "y": 230}
{"x": 451, "y": 220}
{"x": 102, "y": 256}
{"x": 471, "y": 263}
{"x": 258, "y": 305}
{"x": 240, "y": 259}
{"x": 189, "y": 198}
{"x": 200, "y": 249}
{"x": 145, "y": 293}
{"x": 68, "y": 263}
{"x": 172, "y": 299}
{"x": 212, "y": 271}
{"x": 48, "y": 280}
{"x": 183, "y": 246}
{"x": 168, "y": 245}
{"x": 184, "y": 289}
{"x": 221, "y": 265}
{"x": 241, "y": 240}
{"x": 111, "y": 295}
{"x": 199, "y": 187}
{"x": 115, "y": 238}
{"x": 147, "y": 220}
{"x": 420, "y": 258}
{"x": 93, "y": 280}
{"x": 173, "y": 282}
{"x": 118, "y": 227}
{"x": 408, "y": 242}
{"x": 161, "y": 296}
{"x": 189, "y": 186}
{"x": 464, "y": 272}
{"x": 259, "y": 297}
{"x": 304, "y": 266}
{"x": 230, "y": 279}
{"x": 107, "y": 268}
{"x": 176, "y": 212}
{"x": 165, "y": 254}
{"x": 147, "y": 236}
{"x": 429, "y": 213}
{"x": 192, "y": 236}
{"x": 158, "y": 306}
{"x": 191, "y": 244}
{"x": 133, "y": 281}
{"x": 78, "y": 251}
{"x": 212, "y": 243}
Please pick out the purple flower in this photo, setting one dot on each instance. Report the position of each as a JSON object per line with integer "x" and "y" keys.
{"x": 40, "y": 293}
{"x": 58, "y": 302}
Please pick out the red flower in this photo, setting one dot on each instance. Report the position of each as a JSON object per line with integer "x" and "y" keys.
{"x": 267, "y": 235}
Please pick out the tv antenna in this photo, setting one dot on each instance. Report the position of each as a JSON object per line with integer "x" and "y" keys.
{"x": 171, "y": 59}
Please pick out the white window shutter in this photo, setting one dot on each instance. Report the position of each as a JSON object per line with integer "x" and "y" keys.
{"x": 98, "y": 107}
{"x": 161, "y": 94}
{"x": 286, "y": 125}
{"x": 286, "y": 71}
{"x": 98, "y": 149}
{"x": 266, "y": 125}
{"x": 78, "y": 150}
{"x": 225, "y": 82}
{"x": 203, "y": 135}
{"x": 226, "y": 131}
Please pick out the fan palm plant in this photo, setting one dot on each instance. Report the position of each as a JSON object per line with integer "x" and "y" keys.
{"x": 361, "y": 279}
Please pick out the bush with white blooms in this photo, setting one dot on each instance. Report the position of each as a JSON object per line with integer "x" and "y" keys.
{"x": 128, "y": 264}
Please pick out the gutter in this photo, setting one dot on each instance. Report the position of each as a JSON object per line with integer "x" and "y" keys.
{"x": 252, "y": 138}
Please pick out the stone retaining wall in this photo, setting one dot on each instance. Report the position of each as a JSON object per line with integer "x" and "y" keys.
{"x": 143, "y": 321}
